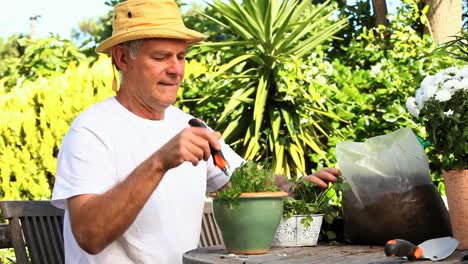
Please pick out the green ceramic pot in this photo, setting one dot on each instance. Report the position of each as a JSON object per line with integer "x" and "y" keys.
{"x": 249, "y": 228}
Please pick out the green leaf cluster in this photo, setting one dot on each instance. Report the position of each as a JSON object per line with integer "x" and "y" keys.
{"x": 382, "y": 68}
{"x": 448, "y": 133}
{"x": 257, "y": 119}
{"x": 42, "y": 57}
{"x": 34, "y": 118}
{"x": 310, "y": 199}
{"x": 250, "y": 176}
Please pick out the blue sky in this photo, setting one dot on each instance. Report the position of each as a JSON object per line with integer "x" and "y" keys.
{"x": 58, "y": 16}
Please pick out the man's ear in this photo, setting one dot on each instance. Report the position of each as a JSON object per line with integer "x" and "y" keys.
{"x": 120, "y": 57}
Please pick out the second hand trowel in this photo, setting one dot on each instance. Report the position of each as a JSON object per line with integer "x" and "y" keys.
{"x": 434, "y": 249}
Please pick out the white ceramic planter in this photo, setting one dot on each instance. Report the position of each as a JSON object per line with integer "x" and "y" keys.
{"x": 291, "y": 232}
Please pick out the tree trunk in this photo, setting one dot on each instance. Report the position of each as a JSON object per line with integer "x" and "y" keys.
{"x": 380, "y": 12}
{"x": 445, "y": 19}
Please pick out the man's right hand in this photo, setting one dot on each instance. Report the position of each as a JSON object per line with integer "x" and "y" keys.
{"x": 192, "y": 144}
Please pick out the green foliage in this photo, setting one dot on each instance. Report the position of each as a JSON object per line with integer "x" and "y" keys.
{"x": 309, "y": 199}
{"x": 9, "y": 49}
{"x": 359, "y": 16}
{"x": 257, "y": 116}
{"x": 195, "y": 19}
{"x": 449, "y": 134}
{"x": 249, "y": 177}
{"x": 382, "y": 68}
{"x": 200, "y": 95}
{"x": 7, "y": 256}
{"x": 41, "y": 58}
{"x": 441, "y": 102}
{"x": 456, "y": 48}
{"x": 35, "y": 117}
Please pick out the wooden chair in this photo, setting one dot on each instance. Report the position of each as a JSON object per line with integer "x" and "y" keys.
{"x": 36, "y": 227}
{"x": 210, "y": 234}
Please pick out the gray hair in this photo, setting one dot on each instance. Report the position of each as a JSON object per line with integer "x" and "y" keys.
{"x": 132, "y": 46}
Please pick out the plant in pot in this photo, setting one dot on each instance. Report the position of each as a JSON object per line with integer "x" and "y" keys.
{"x": 441, "y": 104}
{"x": 304, "y": 212}
{"x": 249, "y": 210}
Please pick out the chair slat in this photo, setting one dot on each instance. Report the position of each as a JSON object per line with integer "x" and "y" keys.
{"x": 38, "y": 229}
{"x": 210, "y": 233}
{"x": 57, "y": 230}
{"x": 38, "y": 241}
{"x": 18, "y": 241}
{"x": 54, "y": 248}
{"x": 46, "y": 239}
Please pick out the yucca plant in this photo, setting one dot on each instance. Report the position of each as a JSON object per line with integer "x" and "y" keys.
{"x": 260, "y": 120}
{"x": 456, "y": 48}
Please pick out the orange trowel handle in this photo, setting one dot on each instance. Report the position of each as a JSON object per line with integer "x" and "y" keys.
{"x": 218, "y": 157}
{"x": 403, "y": 248}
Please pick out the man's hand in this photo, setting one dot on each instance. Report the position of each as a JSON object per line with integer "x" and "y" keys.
{"x": 191, "y": 144}
{"x": 322, "y": 177}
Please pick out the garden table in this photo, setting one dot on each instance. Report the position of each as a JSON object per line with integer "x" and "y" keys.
{"x": 323, "y": 253}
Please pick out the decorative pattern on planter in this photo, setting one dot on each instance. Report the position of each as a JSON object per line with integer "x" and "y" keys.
{"x": 291, "y": 232}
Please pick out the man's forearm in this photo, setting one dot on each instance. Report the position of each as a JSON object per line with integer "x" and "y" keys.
{"x": 97, "y": 220}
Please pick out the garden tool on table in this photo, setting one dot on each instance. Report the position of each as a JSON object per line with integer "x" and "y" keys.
{"x": 434, "y": 249}
{"x": 218, "y": 157}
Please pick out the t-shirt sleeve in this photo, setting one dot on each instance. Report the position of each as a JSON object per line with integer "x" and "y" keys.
{"x": 216, "y": 177}
{"x": 84, "y": 166}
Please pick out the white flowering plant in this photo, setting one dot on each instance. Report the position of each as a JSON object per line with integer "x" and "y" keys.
{"x": 441, "y": 102}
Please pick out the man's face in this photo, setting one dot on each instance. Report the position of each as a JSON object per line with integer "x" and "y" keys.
{"x": 156, "y": 73}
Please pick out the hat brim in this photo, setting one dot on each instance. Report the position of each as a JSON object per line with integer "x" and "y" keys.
{"x": 190, "y": 36}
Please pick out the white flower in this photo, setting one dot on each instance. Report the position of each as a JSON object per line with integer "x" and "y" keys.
{"x": 450, "y": 85}
{"x": 451, "y": 70}
{"x": 440, "y": 87}
{"x": 309, "y": 76}
{"x": 459, "y": 85}
{"x": 463, "y": 73}
{"x": 427, "y": 89}
{"x": 412, "y": 107}
{"x": 315, "y": 70}
{"x": 449, "y": 112}
{"x": 443, "y": 95}
{"x": 376, "y": 69}
{"x": 438, "y": 78}
{"x": 464, "y": 83}
{"x": 441, "y": 102}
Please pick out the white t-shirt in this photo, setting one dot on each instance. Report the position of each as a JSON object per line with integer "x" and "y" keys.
{"x": 102, "y": 147}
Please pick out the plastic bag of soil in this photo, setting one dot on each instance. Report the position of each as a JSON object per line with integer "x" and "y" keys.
{"x": 391, "y": 193}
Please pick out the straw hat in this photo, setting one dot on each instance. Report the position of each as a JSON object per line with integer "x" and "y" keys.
{"x": 138, "y": 19}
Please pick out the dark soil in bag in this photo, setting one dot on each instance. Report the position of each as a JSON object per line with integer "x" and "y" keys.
{"x": 415, "y": 215}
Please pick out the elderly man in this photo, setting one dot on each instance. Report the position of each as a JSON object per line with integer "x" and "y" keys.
{"x": 132, "y": 174}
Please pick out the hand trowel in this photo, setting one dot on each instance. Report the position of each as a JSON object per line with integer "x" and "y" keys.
{"x": 434, "y": 249}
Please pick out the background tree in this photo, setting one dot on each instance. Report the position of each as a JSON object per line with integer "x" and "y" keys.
{"x": 9, "y": 49}
{"x": 380, "y": 12}
{"x": 263, "y": 119}
{"x": 445, "y": 19}
{"x": 41, "y": 57}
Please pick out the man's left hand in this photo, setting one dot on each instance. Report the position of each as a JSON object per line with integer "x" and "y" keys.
{"x": 322, "y": 177}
